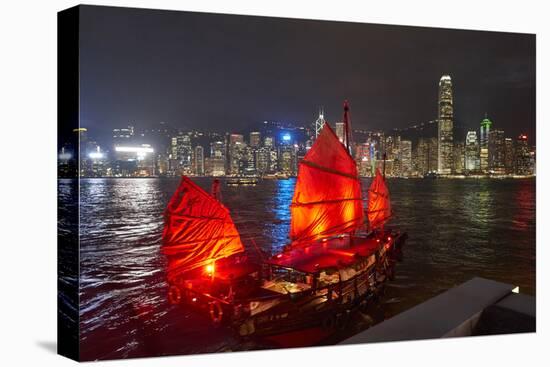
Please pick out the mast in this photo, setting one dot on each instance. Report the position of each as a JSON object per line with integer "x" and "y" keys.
{"x": 384, "y": 157}
{"x": 347, "y": 126}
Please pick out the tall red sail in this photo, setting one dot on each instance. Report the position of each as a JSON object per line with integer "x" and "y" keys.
{"x": 327, "y": 196}
{"x": 379, "y": 207}
{"x": 197, "y": 230}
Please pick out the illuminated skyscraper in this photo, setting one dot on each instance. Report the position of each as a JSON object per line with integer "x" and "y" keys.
{"x": 496, "y": 152}
{"x": 471, "y": 153}
{"x": 445, "y": 126}
{"x": 362, "y": 158}
{"x": 181, "y": 154}
{"x": 459, "y": 149}
{"x": 287, "y": 159}
{"x": 509, "y": 155}
{"x": 235, "y": 153}
{"x": 255, "y": 139}
{"x": 199, "y": 160}
{"x": 484, "y": 145}
{"x": 523, "y": 156}
{"x": 422, "y": 151}
{"x": 405, "y": 157}
{"x": 320, "y": 122}
{"x": 217, "y": 161}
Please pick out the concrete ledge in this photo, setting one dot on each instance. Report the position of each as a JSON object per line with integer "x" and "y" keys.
{"x": 452, "y": 313}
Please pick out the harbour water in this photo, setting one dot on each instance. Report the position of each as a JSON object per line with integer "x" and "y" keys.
{"x": 457, "y": 229}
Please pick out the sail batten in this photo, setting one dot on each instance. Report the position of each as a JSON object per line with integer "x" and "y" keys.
{"x": 327, "y": 197}
{"x": 198, "y": 230}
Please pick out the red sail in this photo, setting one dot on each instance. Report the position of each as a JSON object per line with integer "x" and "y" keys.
{"x": 379, "y": 208}
{"x": 197, "y": 230}
{"x": 327, "y": 197}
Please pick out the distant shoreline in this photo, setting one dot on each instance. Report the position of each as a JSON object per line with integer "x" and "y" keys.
{"x": 277, "y": 179}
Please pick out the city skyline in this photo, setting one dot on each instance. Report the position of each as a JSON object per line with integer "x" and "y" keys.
{"x": 276, "y": 150}
{"x": 389, "y": 73}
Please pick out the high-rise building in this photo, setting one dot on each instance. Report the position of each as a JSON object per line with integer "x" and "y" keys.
{"x": 459, "y": 152}
{"x": 496, "y": 152}
{"x": 445, "y": 126}
{"x": 320, "y": 122}
{"x": 255, "y": 139}
{"x": 262, "y": 160}
{"x": 235, "y": 153}
{"x": 509, "y": 156}
{"x": 405, "y": 158}
{"x": 363, "y": 159}
{"x": 421, "y": 161}
{"x": 199, "y": 160}
{"x": 523, "y": 157}
{"x": 181, "y": 154}
{"x": 340, "y": 131}
{"x": 484, "y": 144}
{"x": 287, "y": 159}
{"x": 215, "y": 165}
{"x": 471, "y": 152}
{"x": 247, "y": 164}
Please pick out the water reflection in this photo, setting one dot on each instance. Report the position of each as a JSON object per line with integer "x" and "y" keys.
{"x": 457, "y": 229}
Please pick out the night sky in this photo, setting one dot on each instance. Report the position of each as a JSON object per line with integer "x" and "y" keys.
{"x": 229, "y": 73}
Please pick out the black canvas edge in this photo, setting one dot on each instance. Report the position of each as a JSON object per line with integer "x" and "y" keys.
{"x": 68, "y": 240}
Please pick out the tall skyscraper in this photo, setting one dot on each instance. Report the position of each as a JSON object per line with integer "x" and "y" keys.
{"x": 181, "y": 154}
{"x": 362, "y": 157}
{"x": 320, "y": 122}
{"x": 405, "y": 157}
{"x": 255, "y": 139}
{"x": 459, "y": 149}
{"x": 287, "y": 159}
{"x": 445, "y": 126}
{"x": 496, "y": 152}
{"x": 484, "y": 144}
{"x": 509, "y": 155}
{"x": 235, "y": 153}
{"x": 217, "y": 161}
{"x": 199, "y": 160}
{"x": 523, "y": 157}
{"x": 471, "y": 152}
{"x": 422, "y": 151}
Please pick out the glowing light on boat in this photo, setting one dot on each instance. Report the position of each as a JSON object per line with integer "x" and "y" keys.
{"x": 210, "y": 268}
{"x": 194, "y": 299}
{"x": 515, "y": 290}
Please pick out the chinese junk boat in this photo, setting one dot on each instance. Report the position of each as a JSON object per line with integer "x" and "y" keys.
{"x": 334, "y": 263}
{"x": 338, "y": 259}
{"x": 207, "y": 267}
